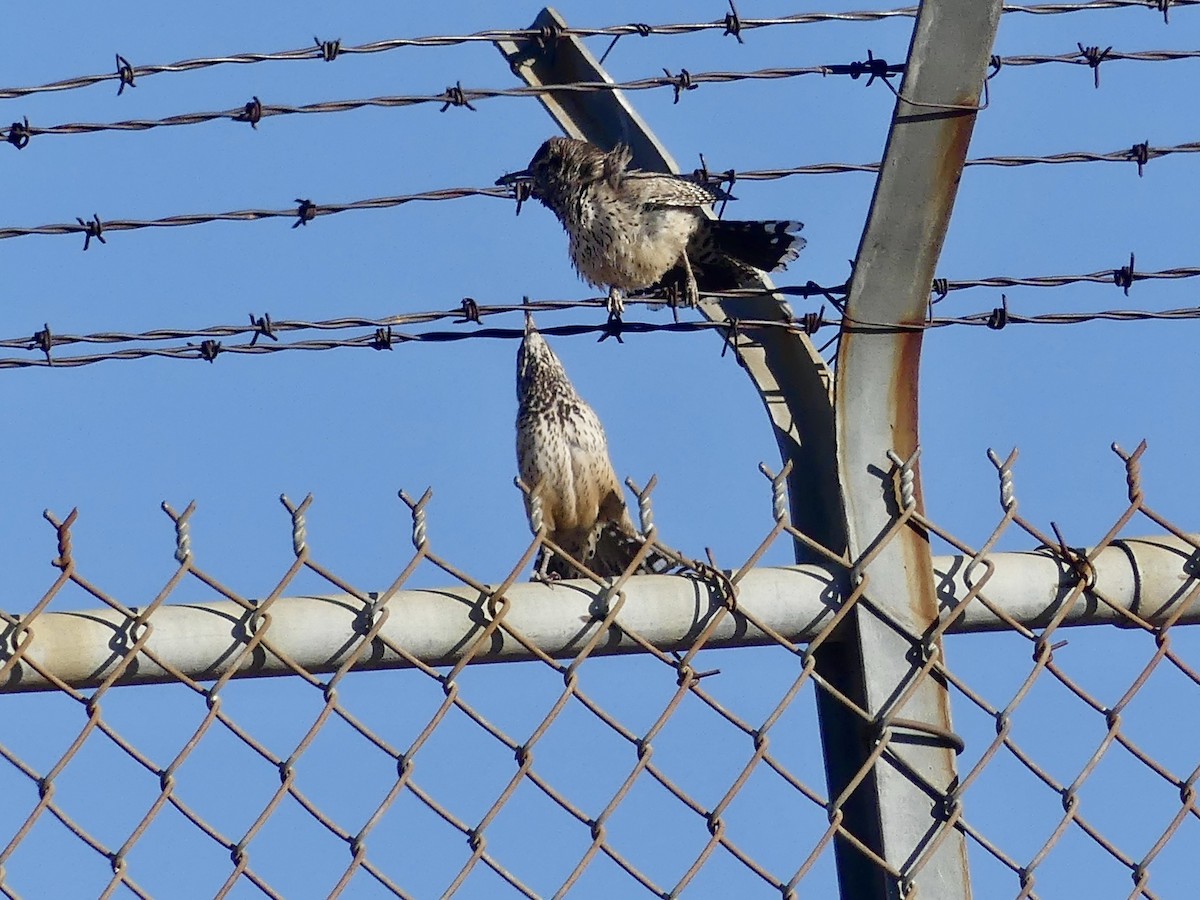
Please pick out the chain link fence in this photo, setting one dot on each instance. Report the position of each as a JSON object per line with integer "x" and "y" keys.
{"x": 688, "y": 764}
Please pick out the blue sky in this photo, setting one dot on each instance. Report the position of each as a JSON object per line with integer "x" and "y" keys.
{"x": 354, "y": 425}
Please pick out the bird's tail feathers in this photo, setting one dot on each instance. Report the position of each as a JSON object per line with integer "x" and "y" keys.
{"x": 768, "y": 246}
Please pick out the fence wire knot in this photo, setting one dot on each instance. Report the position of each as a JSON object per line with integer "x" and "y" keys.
{"x": 455, "y": 97}
{"x": 262, "y": 328}
{"x": 19, "y": 133}
{"x": 1008, "y": 494}
{"x": 1164, "y": 6}
{"x": 522, "y": 191}
{"x": 906, "y": 477}
{"x": 1140, "y": 154}
{"x": 779, "y": 507}
{"x": 92, "y": 228}
{"x": 733, "y": 23}
{"x": 63, "y": 533}
{"x": 251, "y": 112}
{"x": 871, "y": 66}
{"x": 183, "y": 531}
{"x": 1125, "y": 276}
{"x": 1093, "y": 56}
{"x": 329, "y": 49}
{"x": 1133, "y": 470}
{"x": 306, "y": 211}
{"x": 999, "y": 317}
{"x": 941, "y": 287}
{"x": 645, "y": 505}
{"x": 125, "y": 74}
{"x": 43, "y": 340}
{"x": 681, "y": 82}
{"x": 383, "y": 338}
{"x": 209, "y": 349}
{"x": 1076, "y": 561}
{"x": 470, "y": 311}
{"x": 996, "y": 63}
{"x": 299, "y": 524}
{"x": 420, "y": 535}
{"x": 812, "y": 322}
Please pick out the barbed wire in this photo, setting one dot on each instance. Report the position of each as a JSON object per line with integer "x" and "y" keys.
{"x": 306, "y": 210}
{"x": 20, "y": 133}
{"x": 470, "y": 311}
{"x": 731, "y": 24}
{"x": 383, "y": 333}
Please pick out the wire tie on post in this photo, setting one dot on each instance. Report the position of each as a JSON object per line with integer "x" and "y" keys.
{"x": 999, "y": 317}
{"x": 455, "y": 97}
{"x": 93, "y": 228}
{"x": 1093, "y": 56}
{"x": 251, "y": 112}
{"x": 470, "y": 311}
{"x": 1140, "y": 154}
{"x": 125, "y": 73}
{"x": 262, "y": 328}
{"x": 19, "y": 133}
{"x": 941, "y": 287}
{"x": 996, "y": 63}
{"x": 1124, "y": 277}
{"x": 733, "y": 23}
{"x": 329, "y": 49}
{"x": 1164, "y": 6}
{"x": 1076, "y": 561}
{"x": 681, "y": 82}
{"x": 306, "y": 211}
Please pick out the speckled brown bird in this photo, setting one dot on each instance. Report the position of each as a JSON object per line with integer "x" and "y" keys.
{"x": 562, "y": 456}
{"x": 630, "y": 229}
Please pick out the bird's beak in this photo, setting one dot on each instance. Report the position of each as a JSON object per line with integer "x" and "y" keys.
{"x": 513, "y": 177}
{"x": 529, "y": 326}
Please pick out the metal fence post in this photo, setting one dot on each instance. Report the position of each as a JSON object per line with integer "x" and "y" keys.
{"x": 835, "y": 491}
{"x": 878, "y": 367}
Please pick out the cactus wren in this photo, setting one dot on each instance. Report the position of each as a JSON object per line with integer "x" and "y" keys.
{"x": 631, "y": 229}
{"x": 562, "y": 455}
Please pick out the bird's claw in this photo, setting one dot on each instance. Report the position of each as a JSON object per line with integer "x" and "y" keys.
{"x": 616, "y": 302}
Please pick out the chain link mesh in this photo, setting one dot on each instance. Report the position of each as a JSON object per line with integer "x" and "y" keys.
{"x": 658, "y": 772}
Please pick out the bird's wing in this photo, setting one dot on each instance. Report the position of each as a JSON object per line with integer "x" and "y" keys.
{"x": 656, "y": 189}
{"x": 596, "y": 484}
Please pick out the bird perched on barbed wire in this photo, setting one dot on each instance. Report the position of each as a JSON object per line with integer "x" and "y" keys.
{"x": 630, "y": 229}
{"x": 562, "y": 457}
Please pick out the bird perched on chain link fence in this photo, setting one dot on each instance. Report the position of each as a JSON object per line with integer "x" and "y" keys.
{"x": 572, "y": 489}
{"x": 630, "y": 229}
